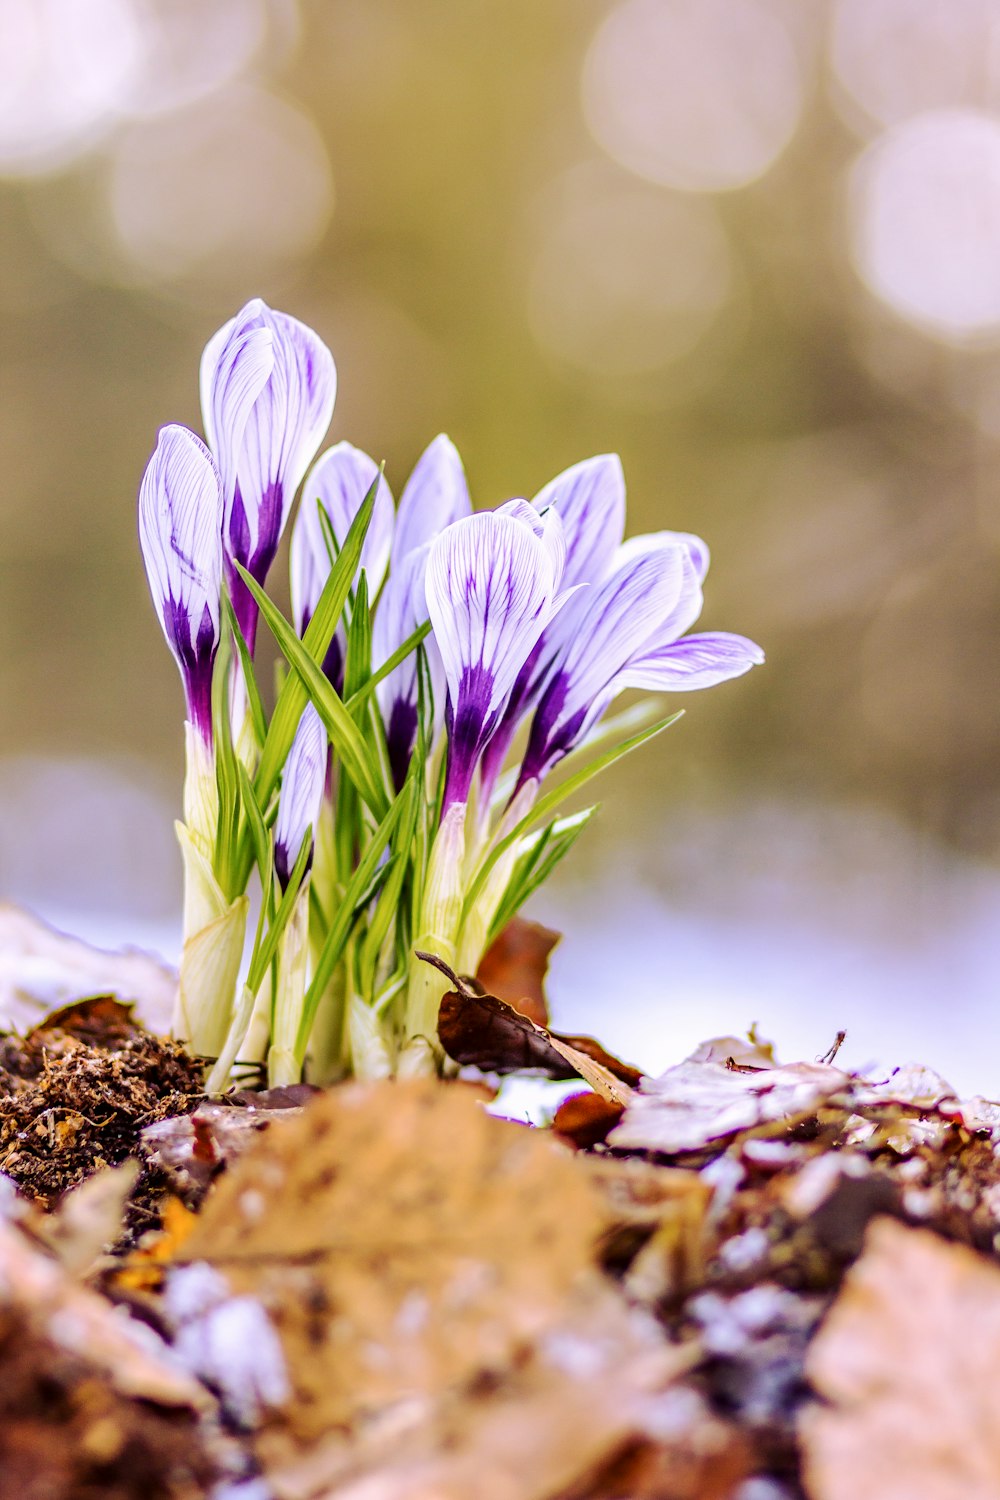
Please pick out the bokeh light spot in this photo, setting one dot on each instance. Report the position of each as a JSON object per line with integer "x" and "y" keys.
{"x": 896, "y": 58}
{"x": 925, "y": 222}
{"x": 627, "y": 279}
{"x": 702, "y": 95}
{"x": 240, "y": 183}
{"x": 65, "y": 71}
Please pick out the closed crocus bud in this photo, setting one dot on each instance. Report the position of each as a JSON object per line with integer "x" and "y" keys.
{"x": 435, "y": 495}
{"x": 589, "y": 499}
{"x": 302, "y": 786}
{"x": 268, "y": 385}
{"x": 492, "y": 587}
{"x": 180, "y": 521}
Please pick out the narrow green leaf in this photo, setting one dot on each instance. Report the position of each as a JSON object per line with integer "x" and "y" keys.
{"x": 316, "y": 641}
{"x": 249, "y": 676}
{"x": 261, "y": 960}
{"x": 552, "y": 800}
{"x": 255, "y": 821}
{"x": 387, "y": 909}
{"x": 345, "y": 736}
{"x": 358, "y": 657}
{"x": 340, "y": 928}
{"x": 545, "y": 850}
{"x": 390, "y": 664}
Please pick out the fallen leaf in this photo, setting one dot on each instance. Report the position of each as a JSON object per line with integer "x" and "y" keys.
{"x": 515, "y": 964}
{"x": 700, "y": 1104}
{"x": 81, "y": 1323}
{"x": 430, "y": 1271}
{"x": 586, "y": 1119}
{"x": 482, "y": 1031}
{"x": 907, "y": 1364}
{"x": 88, "y": 1219}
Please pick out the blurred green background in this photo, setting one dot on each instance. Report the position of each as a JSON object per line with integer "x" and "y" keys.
{"x": 752, "y": 245}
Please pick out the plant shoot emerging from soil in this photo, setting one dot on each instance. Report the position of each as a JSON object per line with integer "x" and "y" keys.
{"x": 440, "y": 664}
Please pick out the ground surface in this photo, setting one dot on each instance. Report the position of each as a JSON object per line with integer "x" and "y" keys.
{"x": 740, "y": 1280}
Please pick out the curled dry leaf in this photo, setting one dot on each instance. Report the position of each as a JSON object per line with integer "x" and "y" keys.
{"x": 515, "y": 964}
{"x": 703, "y": 1104}
{"x": 485, "y": 1032}
{"x": 88, "y": 1218}
{"x": 430, "y": 1271}
{"x": 908, "y": 1366}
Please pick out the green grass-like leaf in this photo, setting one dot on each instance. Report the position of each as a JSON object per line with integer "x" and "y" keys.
{"x": 316, "y": 640}
{"x": 552, "y": 800}
{"x": 357, "y": 890}
{"x": 345, "y": 736}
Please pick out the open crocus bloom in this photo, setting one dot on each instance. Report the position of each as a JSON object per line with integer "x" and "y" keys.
{"x": 279, "y": 379}
{"x": 630, "y": 633}
{"x": 180, "y": 533}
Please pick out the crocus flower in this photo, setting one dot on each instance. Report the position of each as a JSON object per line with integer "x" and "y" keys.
{"x": 262, "y": 459}
{"x": 435, "y": 495}
{"x": 302, "y": 786}
{"x": 492, "y": 582}
{"x": 180, "y": 521}
{"x": 629, "y": 635}
{"x": 338, "y": 481}
{"x": 590, "y": 501}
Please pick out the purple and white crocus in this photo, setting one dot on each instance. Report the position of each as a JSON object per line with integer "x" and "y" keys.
{"x": 589, "y": 499}
{"x": 435, "y": 495}
{"x": 280, "y": 378}
{"x": 630, "y": 633}
{"x": 493, "y": 584}
{"x": 180, "y": 534}
{"x": 302, "y": 786}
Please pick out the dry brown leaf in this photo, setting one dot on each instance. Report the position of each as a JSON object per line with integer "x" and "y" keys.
{"x": 84, "y": 1325}
{"x": 485, "y": 1032}
{"x": 698, "y": 1104}
{"x": 88, "y": 1218}
{"x": 430, "y": 1271}
{"x": 908, "y": 1364}
{"x": 515, "y": 964}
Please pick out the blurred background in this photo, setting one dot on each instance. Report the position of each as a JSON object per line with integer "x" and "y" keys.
{"x": 752, "y": 245}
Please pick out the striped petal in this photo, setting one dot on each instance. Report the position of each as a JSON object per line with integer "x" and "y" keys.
{"x": 696, "y": 661}
{"x": 618, "y": 619}
{"x": 302, "y": 785}
{"x": 262, "y": 462}
{"x": 180, "y": 534}
{"x": 436, "y": 494}
{"x": 491, "y": 589}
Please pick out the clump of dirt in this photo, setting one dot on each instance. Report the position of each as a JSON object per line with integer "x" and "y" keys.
{"x": 69, "y": 1435}
{"x": 76, "y": 1092}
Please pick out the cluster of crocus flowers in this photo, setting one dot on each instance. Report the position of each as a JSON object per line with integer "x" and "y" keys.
{"x": 385, "y": 803}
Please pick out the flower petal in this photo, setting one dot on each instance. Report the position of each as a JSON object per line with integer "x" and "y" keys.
{"x": 339, "y": 480}
{"x": 180, "y": 534}
{"x": 436, "y": 494}
{"x": 635, "y": 546}
{"x": 302, "y": 785}
{"x": 617, "y": 620}
{"x": 490, "y": 589}
{"x": 263, "y": 465}
{"x": 696, "y": 661}
{"x": 590, "y": 500}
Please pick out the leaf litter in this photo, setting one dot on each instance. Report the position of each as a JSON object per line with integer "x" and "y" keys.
{"x": 740, "y": 1279}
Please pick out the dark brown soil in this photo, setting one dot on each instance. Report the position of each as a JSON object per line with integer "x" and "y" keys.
{"x": 68, "y": 1435}
{"x": 76, "y": 1092}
